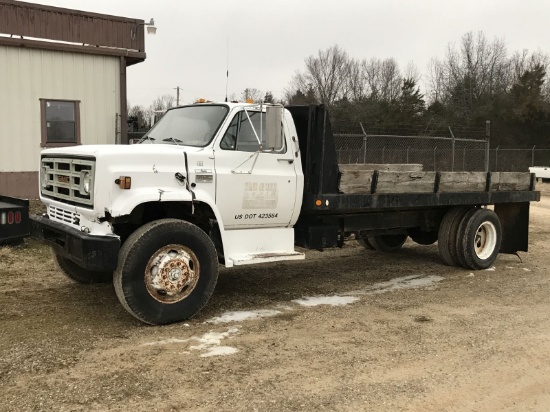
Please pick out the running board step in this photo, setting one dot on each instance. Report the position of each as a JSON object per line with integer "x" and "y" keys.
{"x": 262, "y": 258}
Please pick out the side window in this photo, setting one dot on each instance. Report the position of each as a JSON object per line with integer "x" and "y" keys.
{"x": 241, "y": 133}
{"x": 246, "y": 139}
{"x": 60, "y": 122}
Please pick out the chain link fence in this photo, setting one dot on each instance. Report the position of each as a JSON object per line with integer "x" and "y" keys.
{"x": 517, "y": 160}
{"x": 459, "y": 150}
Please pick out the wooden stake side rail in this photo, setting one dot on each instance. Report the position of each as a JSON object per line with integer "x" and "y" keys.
{"x": 361, "y": 203}
{"x": 384, "y": 181}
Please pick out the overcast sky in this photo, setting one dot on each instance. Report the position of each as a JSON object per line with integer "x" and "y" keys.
{"x": 269, "y": 40}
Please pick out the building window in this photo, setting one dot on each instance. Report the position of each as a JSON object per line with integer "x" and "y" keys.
{"x": 60, "y": 121}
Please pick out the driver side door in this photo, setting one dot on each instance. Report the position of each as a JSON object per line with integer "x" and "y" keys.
{"x": 254, "y": 188}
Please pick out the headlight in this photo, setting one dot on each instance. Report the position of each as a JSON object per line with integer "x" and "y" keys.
{"x": 85, "y": 182}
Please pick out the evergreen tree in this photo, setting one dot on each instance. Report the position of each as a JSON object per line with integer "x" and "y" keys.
{"x": 527, "y": 99}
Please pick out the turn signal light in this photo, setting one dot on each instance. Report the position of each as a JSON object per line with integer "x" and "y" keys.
{"x": 124, "y": 182}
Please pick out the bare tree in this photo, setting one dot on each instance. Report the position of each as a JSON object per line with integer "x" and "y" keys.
{"x": 156, "y": 109}
{"x": 390, "y": 80}
{"x": 411, "y": 72}
{"x": 163, "y": 103}
{"x": 435, "y": 83}
{"x": 326, "y": 73}
{"x": 252, "y": 94}
{"x": 357, "y": 85}
{"x": 475, "y": 69}
{"x": 382, "y": 79}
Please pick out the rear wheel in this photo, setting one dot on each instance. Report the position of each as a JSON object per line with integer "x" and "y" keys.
{"x": 167, "y": 271}
{"x": 447, "y": 235}
{"x": 79, "y": 274}
{"x": 387, "y": 243}
{"x": 480, "y": 235}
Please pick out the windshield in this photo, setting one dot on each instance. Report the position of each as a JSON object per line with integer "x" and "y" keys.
{"x": 188, "y": 125}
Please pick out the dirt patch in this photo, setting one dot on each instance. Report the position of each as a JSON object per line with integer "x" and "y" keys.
{"x": 36, "y": 207}
{"x": 344, "y": 330}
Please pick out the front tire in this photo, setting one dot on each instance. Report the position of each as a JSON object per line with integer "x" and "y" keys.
{"x": 79, "y": 274}
{"x": 167, "y": 271}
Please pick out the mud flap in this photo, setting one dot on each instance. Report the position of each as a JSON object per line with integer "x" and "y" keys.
{"x": 514, "y": 219}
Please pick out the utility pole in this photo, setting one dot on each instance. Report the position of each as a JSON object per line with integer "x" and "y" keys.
{"x": 178, "y": 96}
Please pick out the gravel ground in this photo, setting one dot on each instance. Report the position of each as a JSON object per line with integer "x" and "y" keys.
{"x": 385, "y": 332}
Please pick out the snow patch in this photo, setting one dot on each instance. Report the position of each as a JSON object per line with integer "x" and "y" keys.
{"x": 527, "y": 270}
{"x": 165, "y": 342}
{"x": 239, "y": 316}
{"x": 219, "y": 351}
{"x": 326, "y": 300}
{"x": 404, "y": 282}
{"x": 209, "y": 343}
{"x": 212, "y": 339}
{"x": 491, "y": 269}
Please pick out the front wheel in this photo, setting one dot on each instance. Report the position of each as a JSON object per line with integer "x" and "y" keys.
{"x": 79, "y": 274}
{"x": 167, "y": 271}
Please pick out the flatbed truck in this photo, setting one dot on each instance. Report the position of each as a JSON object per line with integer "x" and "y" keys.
{"x": 239, "y": 184}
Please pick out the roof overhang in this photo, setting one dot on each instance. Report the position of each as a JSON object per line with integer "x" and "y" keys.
{"x": 38, "y": 26}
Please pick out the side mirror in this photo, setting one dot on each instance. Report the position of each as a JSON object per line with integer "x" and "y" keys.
{"x": 274, "y": 127}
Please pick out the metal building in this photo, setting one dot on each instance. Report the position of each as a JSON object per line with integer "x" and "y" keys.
{"x": 62, "y": 82}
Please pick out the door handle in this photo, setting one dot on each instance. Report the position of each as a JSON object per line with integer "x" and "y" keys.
{"x": 290, "y": 161}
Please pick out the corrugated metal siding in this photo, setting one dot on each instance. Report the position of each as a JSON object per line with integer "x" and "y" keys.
{"x": 27, "y": 75}
{"x": 56, "y": 23}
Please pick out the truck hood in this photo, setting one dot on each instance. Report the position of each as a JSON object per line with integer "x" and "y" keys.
{"x": 99, "y": 150}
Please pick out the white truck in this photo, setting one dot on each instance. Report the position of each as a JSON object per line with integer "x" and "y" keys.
{"x": 542, "y": 173}
{"x": 242, "y": 184}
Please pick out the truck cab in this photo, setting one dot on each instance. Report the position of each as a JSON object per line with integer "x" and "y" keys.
{"x": 231, "y": 172}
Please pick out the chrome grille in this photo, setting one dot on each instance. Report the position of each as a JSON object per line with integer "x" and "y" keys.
{"x": 63, "y": 179}
{"x": 61, "y": 215}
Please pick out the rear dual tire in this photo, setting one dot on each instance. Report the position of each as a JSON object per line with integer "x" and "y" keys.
{"x": 469, "y": 237}
{"x": 479, "y": 238}
{"x": 448, "y": 235}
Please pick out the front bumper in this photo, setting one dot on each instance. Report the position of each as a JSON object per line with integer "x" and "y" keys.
{"x": 98, "y": 253}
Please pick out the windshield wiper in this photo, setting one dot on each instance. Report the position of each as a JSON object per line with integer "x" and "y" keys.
{"x": 147, "y": 137}
{"x": 171, "y": 139}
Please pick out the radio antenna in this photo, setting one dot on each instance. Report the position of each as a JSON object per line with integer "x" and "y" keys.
{"x": 227, "y": 70}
